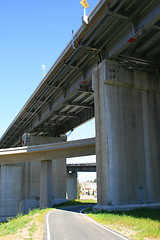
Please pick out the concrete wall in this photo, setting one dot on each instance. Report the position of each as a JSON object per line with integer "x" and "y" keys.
{"x": 20, "y": 183}
{"x": 31, "y": 179}
{"x": 33, "y": 184}
{"x": 30, "y": 186}
{"x": 127, "y": 109}
{"x": 36, "y": 186}
{"x": 10, "y": 190}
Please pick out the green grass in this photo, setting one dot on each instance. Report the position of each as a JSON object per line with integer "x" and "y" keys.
{"x": 13, "y": 224}
{"x": 20, "y": 221}
{"x": 144, "y": 222}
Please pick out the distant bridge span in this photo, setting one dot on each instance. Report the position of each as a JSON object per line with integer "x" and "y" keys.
{"x": 81, "y": 167}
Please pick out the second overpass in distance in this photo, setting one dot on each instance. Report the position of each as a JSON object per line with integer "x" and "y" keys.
{"x": 81, "y": 167}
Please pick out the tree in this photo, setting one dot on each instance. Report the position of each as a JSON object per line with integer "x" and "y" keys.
{"x": 88, "y": 192}
{"x": 78, "y": 189}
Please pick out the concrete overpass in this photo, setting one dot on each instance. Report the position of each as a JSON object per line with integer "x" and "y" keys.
{"x": 113, "y": 73}
{"x": 51, "y": 161}
{"x": 72, "y": 170}
{"x": 81, "y": 167}
{"x": 123, "y": 31}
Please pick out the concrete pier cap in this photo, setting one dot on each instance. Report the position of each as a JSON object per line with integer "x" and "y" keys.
{"x": 29, "y": 139}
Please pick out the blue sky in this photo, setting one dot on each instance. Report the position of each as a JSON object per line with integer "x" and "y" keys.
{"x": 32, "y": 33}
{"x": 87, "y": 130}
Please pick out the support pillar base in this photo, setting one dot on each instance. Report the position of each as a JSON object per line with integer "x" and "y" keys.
{"x": 26, "y": 204}
{"x": 113, "y": 208}
{"x": 59, "y": 201}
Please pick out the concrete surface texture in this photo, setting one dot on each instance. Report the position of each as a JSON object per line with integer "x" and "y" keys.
{"x": 71, "y": 193}
{"x": 10, "y": 190}
{"x": 46, "y": 192}
{"x": 127, "y": 114}
{"x": 59, "y": 178}
{"x": 31, "y": 179}
{"x": 51, "y": 174}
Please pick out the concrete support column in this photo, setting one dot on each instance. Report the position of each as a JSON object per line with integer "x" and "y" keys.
{"x": 32, "y": 173}
{"x": 30, "y": 186}
{"x": 127, "y": 115}
{"x": 59, "y": 175}
{"x": 31, "y": 179}
{"x": 10, "y": 190}
{"x": 71, "y": 186}
{"x": 46, "y": 184}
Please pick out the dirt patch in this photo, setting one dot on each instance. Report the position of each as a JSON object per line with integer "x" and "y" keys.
{"x": 123, "y": 230}
{"x": 10, "y": 237}
{"x": 25, "y": 233}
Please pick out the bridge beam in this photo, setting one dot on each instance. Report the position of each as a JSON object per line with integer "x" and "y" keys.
{"x": 127, "y": 115}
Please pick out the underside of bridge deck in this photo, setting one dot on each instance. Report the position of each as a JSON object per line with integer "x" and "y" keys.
{"x": 122, "y": 30}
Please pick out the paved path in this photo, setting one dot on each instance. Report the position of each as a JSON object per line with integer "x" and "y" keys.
{"x": 69, "y": 224}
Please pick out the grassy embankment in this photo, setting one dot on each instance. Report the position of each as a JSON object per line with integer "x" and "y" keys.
{"x": 29, "y": 222}
{"x": 32, "y": 220}
{"x": 138, "y": 224}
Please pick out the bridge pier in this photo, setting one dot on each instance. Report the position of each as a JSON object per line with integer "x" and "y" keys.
{"x": 127, "y": 115}
{"x": 46, "y": 193}
{"x": 59, "y": 179}
{"x": 35, "y": 177}
{"x": 30, "y": 186}
{"x": 10, "y": 190}
{"x": 72, "y": 185}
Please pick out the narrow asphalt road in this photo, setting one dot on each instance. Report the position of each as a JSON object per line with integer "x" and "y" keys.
{"x": 69, "y": 224}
